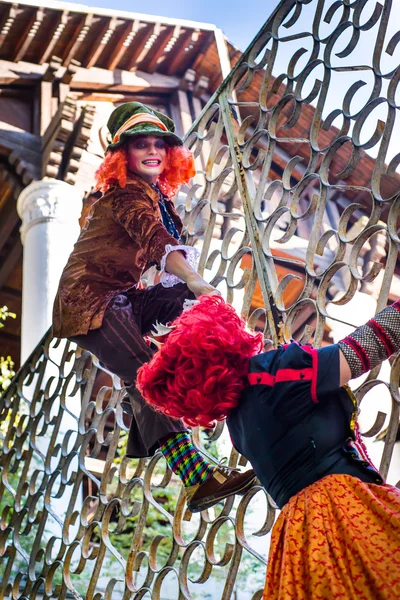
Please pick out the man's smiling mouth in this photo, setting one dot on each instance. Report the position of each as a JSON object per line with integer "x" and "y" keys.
{"x": 152, "y": 162}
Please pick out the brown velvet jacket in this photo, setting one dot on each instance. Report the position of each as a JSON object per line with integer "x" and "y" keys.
{"x": 122, "y": 237}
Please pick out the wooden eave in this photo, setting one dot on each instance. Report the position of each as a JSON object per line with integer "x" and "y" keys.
{"x": 27, "y": 74}
{"x": 106, "y": 39}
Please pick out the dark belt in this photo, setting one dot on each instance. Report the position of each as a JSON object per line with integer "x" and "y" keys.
{"x": 344, "y": 461}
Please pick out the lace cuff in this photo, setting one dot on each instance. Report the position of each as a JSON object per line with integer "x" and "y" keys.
{"x": 192, "y": 256}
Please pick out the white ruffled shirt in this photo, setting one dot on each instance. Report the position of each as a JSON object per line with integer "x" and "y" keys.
{"x": 192, "y": 257}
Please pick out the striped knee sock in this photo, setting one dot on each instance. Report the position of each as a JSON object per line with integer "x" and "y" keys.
{"x": 185, "y": 461}
{"x": 375, "y": 341}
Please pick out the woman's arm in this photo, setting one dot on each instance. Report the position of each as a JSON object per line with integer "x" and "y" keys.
{"x": 345, "y": 372}
{"x": 370, "y": 344}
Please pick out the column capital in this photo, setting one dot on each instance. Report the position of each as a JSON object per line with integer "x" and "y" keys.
{"x": 48, "y": 200}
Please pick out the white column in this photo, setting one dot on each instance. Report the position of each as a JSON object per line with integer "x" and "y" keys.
{"x": 49, "y": 210}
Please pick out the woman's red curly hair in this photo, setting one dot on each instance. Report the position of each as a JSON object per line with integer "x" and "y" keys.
{"x": 179, "y": 169}
{"x": 201, "y": 370}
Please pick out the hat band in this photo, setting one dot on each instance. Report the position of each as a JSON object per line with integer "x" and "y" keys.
{"x": 135, "y": 120}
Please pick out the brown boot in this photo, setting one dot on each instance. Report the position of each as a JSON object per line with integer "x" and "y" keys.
{"x": 223, "y": 483}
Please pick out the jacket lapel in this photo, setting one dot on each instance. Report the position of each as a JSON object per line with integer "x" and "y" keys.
{"x": 137, "y": 182}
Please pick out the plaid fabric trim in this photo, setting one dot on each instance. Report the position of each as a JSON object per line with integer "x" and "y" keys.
{"x": 185, "y": 461}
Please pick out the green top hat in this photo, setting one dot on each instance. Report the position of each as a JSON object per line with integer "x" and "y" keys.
{"x": 122, "y": 125}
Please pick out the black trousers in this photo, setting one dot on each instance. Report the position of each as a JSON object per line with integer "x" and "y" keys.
{"x": 120, "y": 348}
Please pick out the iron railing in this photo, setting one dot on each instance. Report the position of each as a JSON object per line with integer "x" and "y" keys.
{"x": 281, "y": 152}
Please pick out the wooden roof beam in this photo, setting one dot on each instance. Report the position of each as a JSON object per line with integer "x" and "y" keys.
{"x": 101, "y": 46}
{"x": 31, "y": 72}
{"x": 95, "y": 46}
{"x": 76, "y": 43}
{"x": 22, "y": 143}
{"x": 10, "y": 261}
{"x": 146, "y": 48}
{"x": 9, "y": 336}
{"x": 7, "y": 22}
{"x": 201, "y": 87}
{"x": 29, "y": 36}
{"x": 123, "y": 44}
{"x": 119, "y": 80}
{"x": 164, "y": 45}
{"x": 23, "y": 73}
{"x": 11, "y": 292}
{"x": 223, "y": 53}
{"x": 9, "y": 220}
{"x": 200, "y": 55}
{"x": 175, "y": 57}
{"x": 61, "y": 22}
{"x": 190, "y": 50}
{"x": 142, "y": 36}
{"x": 81, "y": 9}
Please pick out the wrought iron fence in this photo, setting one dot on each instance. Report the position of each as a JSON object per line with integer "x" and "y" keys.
{"x": 287, "y": 207}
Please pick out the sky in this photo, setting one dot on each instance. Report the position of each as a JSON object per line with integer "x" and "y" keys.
{"x": 240, "y": 20}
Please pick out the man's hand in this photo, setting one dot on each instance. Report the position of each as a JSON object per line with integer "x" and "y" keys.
{"x": 199, "y": 286}
{"x": 177, "y": 265}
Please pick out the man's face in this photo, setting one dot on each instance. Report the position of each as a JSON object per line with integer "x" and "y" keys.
{"x": 146, "y": 157}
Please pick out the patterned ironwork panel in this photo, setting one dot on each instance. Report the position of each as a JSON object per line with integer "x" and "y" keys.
{"x": 78, "y": 519}
{"x": 295, "y": 211}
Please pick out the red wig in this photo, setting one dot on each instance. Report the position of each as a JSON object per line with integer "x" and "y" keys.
{"x": 201, "y": 370}
{"x": 179, "y": 169}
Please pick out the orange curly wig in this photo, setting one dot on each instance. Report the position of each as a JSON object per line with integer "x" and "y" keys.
{"x": 201, "y": 370}
{"x": 179, "y": 169}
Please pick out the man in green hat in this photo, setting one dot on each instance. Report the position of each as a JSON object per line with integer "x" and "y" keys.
{"x": 134, "y": 118}
{"x": 100, "y": 304}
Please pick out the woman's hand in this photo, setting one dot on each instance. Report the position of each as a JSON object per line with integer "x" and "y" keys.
{"x": 199, "y": 286}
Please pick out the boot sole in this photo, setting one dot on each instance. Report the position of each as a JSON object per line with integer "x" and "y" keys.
{"x": 209, "y": 501}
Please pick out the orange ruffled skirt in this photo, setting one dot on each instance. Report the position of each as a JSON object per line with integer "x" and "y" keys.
{"x": 337, "y": 539}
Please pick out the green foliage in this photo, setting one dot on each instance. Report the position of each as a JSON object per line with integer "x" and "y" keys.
{"x": 6, "y": 364}
{"x": 6, "y": 314}
{"x": 6, "y": 372}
